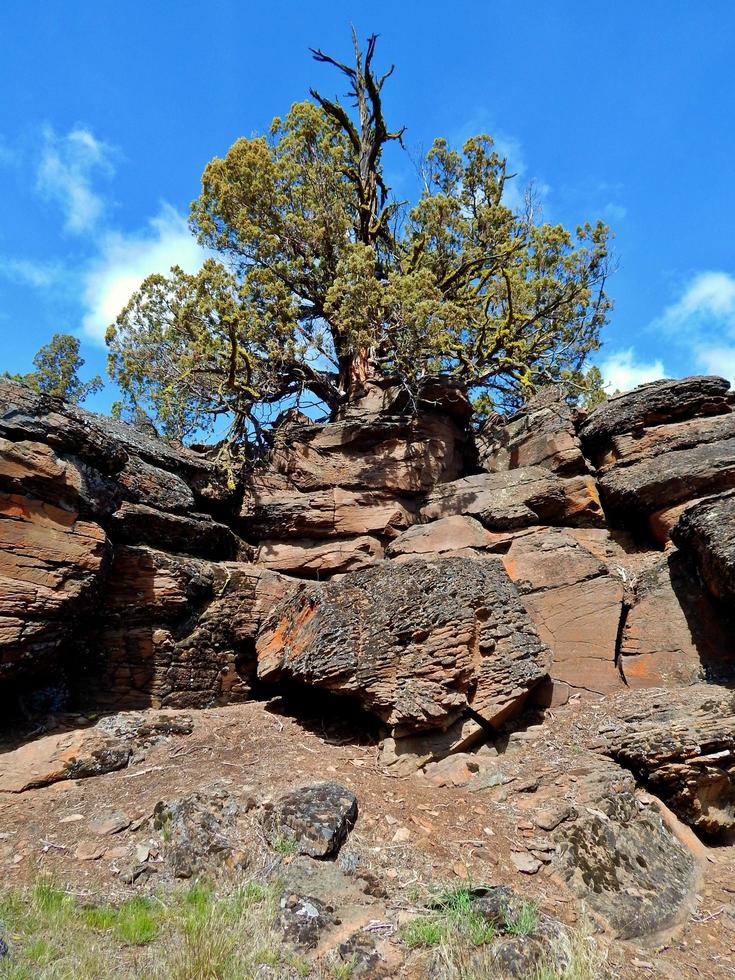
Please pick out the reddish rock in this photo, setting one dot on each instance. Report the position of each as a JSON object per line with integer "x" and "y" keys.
{"x": 446, "y": 534}
{"x": 684, "y": 747}
{"x": 49, "y": 563}
{"x": 542, "y": 434}
{"x": 673, "y": 634}
{"x": 576, "y": 604}
{"x": 707, "y": 532}
{"x": 416, "y": 642}
{"x": 397, "y": 453}
{"x": 515, "y": 499}
{"x": 319, "y": 559}
{"x": 274, "y": 509}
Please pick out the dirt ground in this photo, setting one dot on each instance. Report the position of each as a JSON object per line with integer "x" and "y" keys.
{"x": 410, "y": 834}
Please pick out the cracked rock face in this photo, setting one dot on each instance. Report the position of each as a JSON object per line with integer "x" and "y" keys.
{"x": 416, "y": 643}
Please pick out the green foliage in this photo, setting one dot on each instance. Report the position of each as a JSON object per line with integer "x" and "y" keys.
{"x": 324, "y": 278}
{"x": 595, "y": 393}
{"x": 57, "y": 371}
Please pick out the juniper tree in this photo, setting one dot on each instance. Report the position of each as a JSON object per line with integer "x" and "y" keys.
{"x": 57, "y": 365}
{"x": 320, "y": 277}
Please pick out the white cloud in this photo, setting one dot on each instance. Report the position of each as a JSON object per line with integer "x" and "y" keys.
{"x": 622, "y": 371}
{"x": 125, "y": 260}
{"x": 708, "y": 300}
{"x": 701, "y": 322}
{"x": 65, "y": 172}
{"x": 27, "y": 272}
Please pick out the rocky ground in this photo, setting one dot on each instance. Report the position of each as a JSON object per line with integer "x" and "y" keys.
{"x": 413, "y": 836}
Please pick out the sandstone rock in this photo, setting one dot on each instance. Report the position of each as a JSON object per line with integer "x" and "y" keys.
{"x": 417, "y": 643}
{"x": 403, "y": 756}
{"x": 576, "y": 604}
{"x": 85, "y": 752}
{"x": 49, "y": 563}
{"x": 102, "y": 442}
{"x": 707, "y": 531}
{"x": 524, "y": 862}
{"x": 192, "y": 534}
{"x": 446, "y": 534}
{"x": 662, "y": 445}
{"x": 273, "y": 508}
{"x": 316, "y": 818}
{"x": 641, "y": 488}
{"x": 399, "y": 453}
{"x": 89, "y": 850}
{"x": 515, "y": 499}
{"x": 115, "y": 823}
{"x": 673, "y": 634}
{"x": 684, "y": 748}
{"x": 623, "y": 861}
{"x": 455, "y": 770}
{"x": 71, "y": 755}
{"x": 543, "y": 434}
{"x": 176, "y": 631}
{"x": 308, "y": 558}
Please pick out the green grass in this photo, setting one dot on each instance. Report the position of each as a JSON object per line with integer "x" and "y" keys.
{"x": 191, "y": 933}
{"x": 284, "y": 845}
{"x": 524, "y": 921}
{"x": 452, "y": 917}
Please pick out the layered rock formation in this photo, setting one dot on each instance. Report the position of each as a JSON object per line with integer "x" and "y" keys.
{"x": 469, "y": 574}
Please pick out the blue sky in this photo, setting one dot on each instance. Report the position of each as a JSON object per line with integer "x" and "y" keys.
{"x": 624, "y": 111}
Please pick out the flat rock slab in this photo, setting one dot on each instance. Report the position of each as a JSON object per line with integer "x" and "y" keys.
{"x": 71, "y": 755}
{"x": 417, "y": 643}
{"x": 684, "y": 749}
{"x": 316, "y": 818}
{"x": 85, "y": 752}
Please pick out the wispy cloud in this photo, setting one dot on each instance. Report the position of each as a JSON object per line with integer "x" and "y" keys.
{"x": 622, "y": 370}
{"x": 67, "y": 168}
{"x": 124, "y": 261}
{"x": 27, "y": 272}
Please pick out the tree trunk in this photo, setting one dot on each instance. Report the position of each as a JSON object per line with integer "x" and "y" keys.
{"x": 354, "y": 370}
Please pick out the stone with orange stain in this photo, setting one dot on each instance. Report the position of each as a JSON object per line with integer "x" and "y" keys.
{"x": 416, "y": 642}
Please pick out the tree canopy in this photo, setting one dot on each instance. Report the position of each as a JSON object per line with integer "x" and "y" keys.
{"x": 57, "y": 365}
{"x": 319, "y": 278}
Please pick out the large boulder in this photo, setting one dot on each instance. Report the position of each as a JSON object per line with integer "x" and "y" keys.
{"x": 707, "y": 531}
{"x": 684, "y": 749}
{"x": 620, "y": 858}
{"x": 673, "y": 633}
{"x": 576, "y": 602}
{"x": 417, "y": 643}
